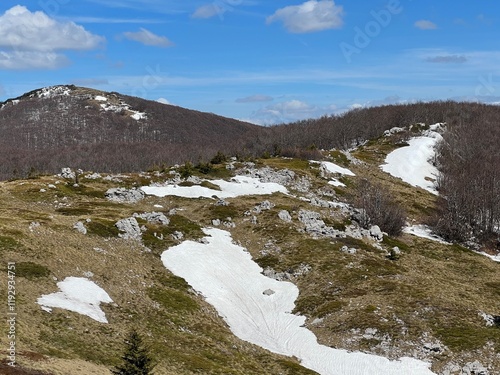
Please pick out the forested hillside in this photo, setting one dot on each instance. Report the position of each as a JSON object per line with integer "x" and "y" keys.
{"x": 50, "y": 128}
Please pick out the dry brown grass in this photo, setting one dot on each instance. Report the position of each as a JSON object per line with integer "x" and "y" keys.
{"x": 432, "y": 289}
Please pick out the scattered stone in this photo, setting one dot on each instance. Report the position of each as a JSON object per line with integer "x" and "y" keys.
{"x": 370, "y": 333}
{"x": 489, "y": 319}
{"x": 317, "y": 227}
{"x": 348, "y": 250}
{"x": 80, "y": 227}
{"x": 99, "y": 250}
{"x": 88, "y": 274}
{"x": 263, "y": 206}
{"x": 154, "y": 217}
{"x": 222, "y": 202}
{"x": 67, "y": 173}
{"x": 130, "y": 228}
{"x": 376, "y": 233}
{"x": 93, "y": 176}
{"x": 268, "y": 292}
{"x": 34, "y": 225}
{"x": 253, "y": 220}
{"x": 216, "y": 222}
{"x": 42, "y": 190}
{"x": 474, "y": 368}
{"x": 51, "y": 186}
{"x": 123, "y": 195}
{"x": 285, "y": 216}
{"x": 433, "y": 347}
{"x": 178, "y": 236}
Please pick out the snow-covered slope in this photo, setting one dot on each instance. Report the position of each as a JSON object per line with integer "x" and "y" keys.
{"x": 412, "y": 163}
{"x": 238, "y": 186}
{"x": 258, "y": 308}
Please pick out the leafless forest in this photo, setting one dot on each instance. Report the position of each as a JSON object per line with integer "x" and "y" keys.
{"x": 44, "y": 135}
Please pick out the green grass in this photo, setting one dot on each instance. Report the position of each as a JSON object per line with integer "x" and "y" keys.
{"x": 9, "y": 244}
{"x": 31, "y": 271}
{"x": 102, "y": 227}
{"x": 173, "y": 300}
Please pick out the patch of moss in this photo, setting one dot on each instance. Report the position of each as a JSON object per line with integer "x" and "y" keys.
{"x": 8, "y": 243}
{"x": 339, "y": 158}
{"x": 293, "y": 368}
{"x": 173, "y": 300}
{"x": 463, "y": 337}
{"x": 267, "y": 261}
{"x": 209, "y": 185}
{"x": 222, "y": 212}
{"x": 74, "y": 211}
{"x": 103, "y": 228}
{"x": 328, "y": 308}
{"x": 30, "y": 270}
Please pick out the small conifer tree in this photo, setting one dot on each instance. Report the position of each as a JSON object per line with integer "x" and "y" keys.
{"x": 136, "y": 359}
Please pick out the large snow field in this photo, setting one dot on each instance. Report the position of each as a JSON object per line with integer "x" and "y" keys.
{"x": 412, "y": 163}
{"x": 237, "y": 186}
{"x": 233, "y": 283}
{"x": 77, "y": 294}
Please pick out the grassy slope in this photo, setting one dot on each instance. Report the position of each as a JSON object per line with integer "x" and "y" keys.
{"x": 433, "y": 291}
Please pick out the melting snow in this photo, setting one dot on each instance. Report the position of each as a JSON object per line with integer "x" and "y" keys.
{"x": 233, "y": 283}
{"x": 100, "y": 98}
{"x": 334, "y": 168}
{"x": 122, "y": 106}
{"x": 412, "y": 163}
{"x": 49, "y": 92}
{"x": 424, "y": 232}
{"x": 238, "y": 186}
{"x": 77, "y": 294}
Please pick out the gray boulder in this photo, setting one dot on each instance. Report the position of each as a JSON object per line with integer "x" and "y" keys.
{"x": 80, "y": 227}
{"x": 129, "y": 228}
{"x": 285, "y": 216}
{"x": 154, "y": 217}
{"x": 123, "y": 195}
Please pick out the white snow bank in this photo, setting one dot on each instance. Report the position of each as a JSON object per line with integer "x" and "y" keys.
{"x": 100, "y": 98}
{"x": 412, "y": 163}
{"x": 334, "y": 168}
{"x": 495, "y": 258}
{"x": 77, "y": 294}
{"x": 238, "y": 186}
{"x": 424, "y": 232}
{"x": 233, "y": 283}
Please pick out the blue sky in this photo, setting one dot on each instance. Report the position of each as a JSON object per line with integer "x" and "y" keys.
{"x": 263, "y": 61}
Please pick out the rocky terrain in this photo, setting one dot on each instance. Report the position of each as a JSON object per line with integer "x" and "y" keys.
{"x": 360, "y": 289}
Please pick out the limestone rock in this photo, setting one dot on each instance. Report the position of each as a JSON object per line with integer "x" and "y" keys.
{"x": 285, "y": 216}
{"x": 129, "y": 228}
{"x": 123, "y": 195}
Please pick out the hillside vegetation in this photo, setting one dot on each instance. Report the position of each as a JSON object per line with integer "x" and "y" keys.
{"x": 395, "y": 295}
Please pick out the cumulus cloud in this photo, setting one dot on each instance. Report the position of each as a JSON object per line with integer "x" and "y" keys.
{"x": 148, "y": 38}
{"x": 425, "y": 25}
{"x": 208, "y": 11}
{"x": 32, "y": 40}
{"x": 447, "y": 59}
{"x": 255, "y": 99}
{"x": 310, "y": 16}
{"x": 288, "y": 111}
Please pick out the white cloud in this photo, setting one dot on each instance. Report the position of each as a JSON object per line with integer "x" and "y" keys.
{"x": 289, "y": 111}
{"x": 23, "y": 30}
{"x": 23, "y": 60}
{"x": 425, "y": 25}
{"x": 208, "y": 11}
{"x": 31, "y": 40}
{"x": 148, "y": 38}
{"x": 310, "y": 16}
{"x": 255, "y": 99}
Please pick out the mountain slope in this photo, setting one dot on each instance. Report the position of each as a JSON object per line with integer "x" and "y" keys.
{"x": 50, "y": 128}
{"x": 435, "y": 301}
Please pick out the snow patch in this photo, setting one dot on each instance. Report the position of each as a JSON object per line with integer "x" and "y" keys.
{"x": 237, "y": 186}
{"x": 100, "y": 98}
{"x": 77, "y": 294}
{"x": 424, "y": 231}
{"x": 234, "y": 284}
{"x": 412, "y": 163}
